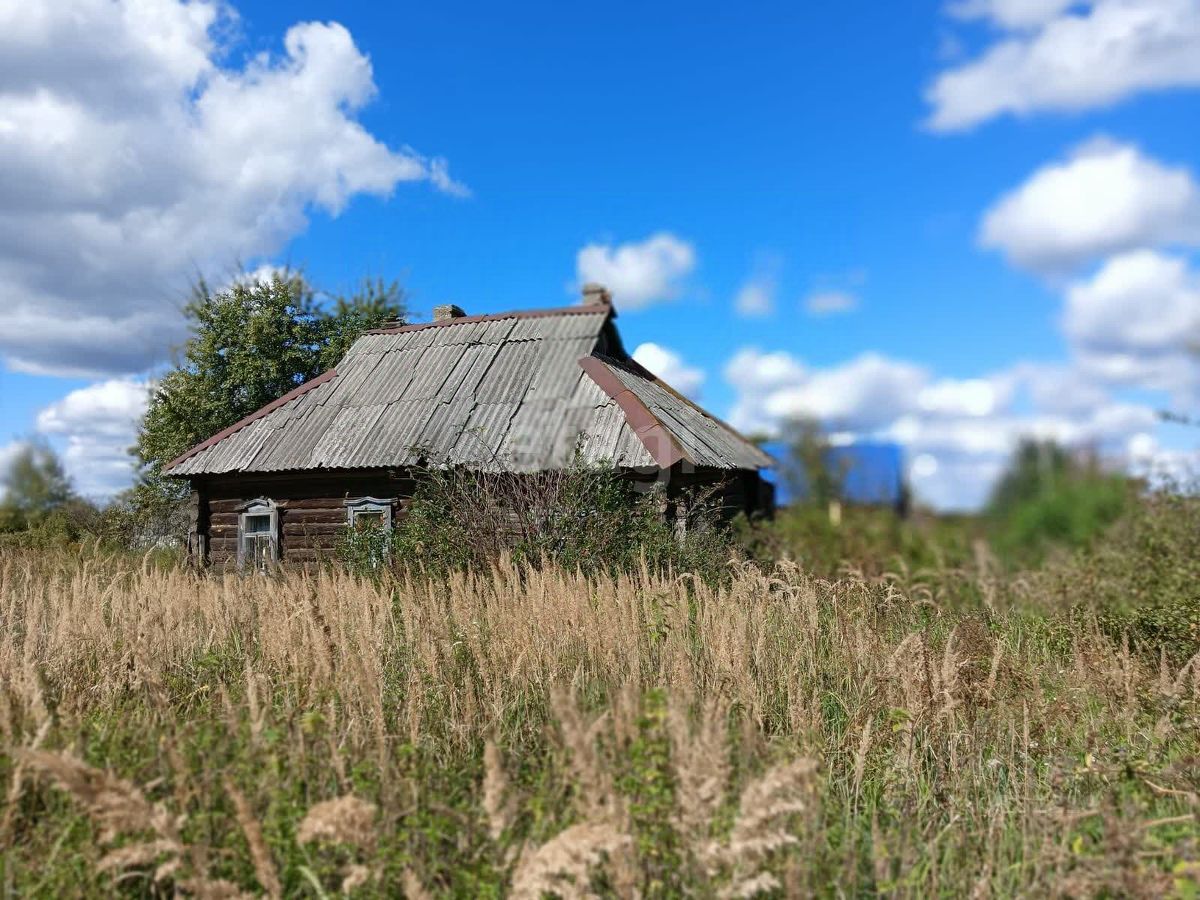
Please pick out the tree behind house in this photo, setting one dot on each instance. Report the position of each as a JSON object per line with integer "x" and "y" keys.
{"x": 249, "y": 345}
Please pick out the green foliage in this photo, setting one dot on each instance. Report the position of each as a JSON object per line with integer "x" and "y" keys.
{"x": 868, "y": 540}
{"x": 249, "y": 345}
{"x": 1049, "y": 498}
{"x": 1143, "y": 576}
{"x": 806, "y": 469}
{"x": 590, "y": 519}
{"x": 648, "y": 783}
{"x": 35, "y": 486}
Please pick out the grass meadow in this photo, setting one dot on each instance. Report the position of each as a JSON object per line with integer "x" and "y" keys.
{"x": 528, "y": 731}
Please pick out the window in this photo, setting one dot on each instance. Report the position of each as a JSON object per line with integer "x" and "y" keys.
{"x": 258, "y": 535}
{"x": 369, "y": 512}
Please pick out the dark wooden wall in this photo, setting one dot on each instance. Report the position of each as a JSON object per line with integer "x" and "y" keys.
{"x": 312, "y": 507}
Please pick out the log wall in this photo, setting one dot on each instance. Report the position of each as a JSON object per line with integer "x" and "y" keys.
{"x": 312, "y": 510}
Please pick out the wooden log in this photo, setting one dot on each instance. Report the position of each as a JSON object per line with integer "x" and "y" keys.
{"x": 291, "y": 528}
{"x": 317, "y": 516}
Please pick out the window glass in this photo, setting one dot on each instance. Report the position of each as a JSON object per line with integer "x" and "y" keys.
{"x": 258, "y": 524}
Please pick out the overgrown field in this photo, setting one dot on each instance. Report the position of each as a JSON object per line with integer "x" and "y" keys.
{"x": 524, "y": 732}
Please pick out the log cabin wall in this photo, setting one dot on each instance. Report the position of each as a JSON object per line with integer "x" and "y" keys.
{"x": 313, "y": 514}
{"x": 311, "y": 508}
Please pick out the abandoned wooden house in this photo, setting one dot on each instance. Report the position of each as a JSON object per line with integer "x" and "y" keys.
{"x": 520, "y": 392}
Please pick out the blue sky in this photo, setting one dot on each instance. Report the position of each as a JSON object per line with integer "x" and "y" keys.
{"x": 946, "y": 225}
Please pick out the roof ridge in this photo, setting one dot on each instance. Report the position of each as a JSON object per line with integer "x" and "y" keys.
{"x": 588, "y": 309}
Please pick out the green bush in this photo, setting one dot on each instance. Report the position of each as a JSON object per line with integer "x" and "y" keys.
{"x": 590, "y": 519}
{"x": 1051, "y": 499}
{"x": 1143, "y": 575}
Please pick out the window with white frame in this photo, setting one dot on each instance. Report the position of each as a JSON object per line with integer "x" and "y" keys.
{"x": 258, "y": 534}
{"x": 369, "y": 512}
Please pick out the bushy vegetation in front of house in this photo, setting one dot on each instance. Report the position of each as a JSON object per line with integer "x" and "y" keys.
{"x": 583, "y": 518}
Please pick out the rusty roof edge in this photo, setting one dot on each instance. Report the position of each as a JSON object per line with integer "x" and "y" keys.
{"x": 655, "y": 437}
{"x": 291, "y": 395}
{"x": 638, "y": 367}
{"x": 590, "y": 309}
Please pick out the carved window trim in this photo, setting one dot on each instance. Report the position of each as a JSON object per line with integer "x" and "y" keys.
{"x": 258, "y": 547}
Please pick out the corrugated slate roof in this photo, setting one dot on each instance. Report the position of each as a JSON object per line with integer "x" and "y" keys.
{"x": 513, "y": 391}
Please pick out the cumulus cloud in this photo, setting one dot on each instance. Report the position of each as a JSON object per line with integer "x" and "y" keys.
{"x": 98, "y": 424}
{"x": 638, "y": 274}
{"x": 1068, "y": 56}
{"x": 862, "y": 394}
{"x": 1105, "y": 198}
{"x": 830, "y": 303}
{"x": 1160, "y": 465}
{"x": 133, "y": 158}
{"x": 1013, "y": 14}
{"x": 1137, "y": 320}
{"x": 671, "y": 368}
{"x": 756, "y": 298}
{"x": 958, "y": 434}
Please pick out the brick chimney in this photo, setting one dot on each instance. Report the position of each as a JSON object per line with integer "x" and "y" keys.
{"x": 447, "y": 311}
{"x": 596, "y": 295}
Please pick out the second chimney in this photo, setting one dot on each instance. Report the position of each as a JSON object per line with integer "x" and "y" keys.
{"x": 596, "y": 295}
{"x": 447, "y": 311}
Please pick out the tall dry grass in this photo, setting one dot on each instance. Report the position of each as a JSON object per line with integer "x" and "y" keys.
{"x": 523, "y": 732}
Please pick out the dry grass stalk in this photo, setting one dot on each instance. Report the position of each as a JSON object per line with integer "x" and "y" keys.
{"x": 117, "y": 806}
{"x": 700, "y": 760}
{"x": 344, "y": 820}
{"x": 595, "y": 796}
{"x": 563, "y": 865}
{"x": 498, "y": 803}
{"x": 763, "y": 826}
{"x": 260, "y": 853}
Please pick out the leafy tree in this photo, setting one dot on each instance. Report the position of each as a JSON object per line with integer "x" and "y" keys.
{"x": 810, "y": 474}
{"x": 35, "y": 486}
{"x": 1050, "y": 497}
{"x": 249, "y": 345}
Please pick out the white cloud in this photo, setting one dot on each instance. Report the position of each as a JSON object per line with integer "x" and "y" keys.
{"x": 1012, "y": 14}
{"x": 133, "y": 158}
{"x": 99, "y": 425}
{"x": 1137, "y": 320}
{"x": 641, "y": 273}
{"x": 756, "y": 298}
{"x": 1160, "y": 465}
{"x": 671, "y": 368}
{"x": 957, "y": 433}
{"x": 1064, "y": 57}
{"x": 830, "y": 303}
{"x": 1105, "y": 198}
{"x": 969, "y": 397}
{"x": 862, "y": 394}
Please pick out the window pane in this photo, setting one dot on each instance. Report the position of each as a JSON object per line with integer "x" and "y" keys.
{"x": 258, "y": 524}
{"x": 369, "y": 517}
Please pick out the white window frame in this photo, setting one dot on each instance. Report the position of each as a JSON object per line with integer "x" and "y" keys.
{"x": 260, "y": 507}
{"x": 370, "y": 505}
